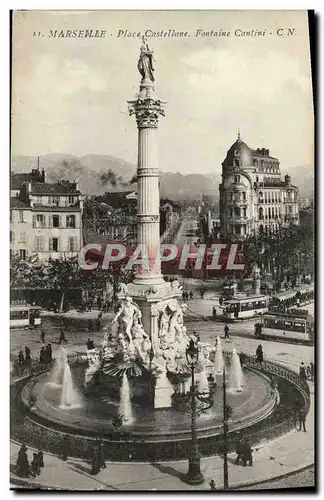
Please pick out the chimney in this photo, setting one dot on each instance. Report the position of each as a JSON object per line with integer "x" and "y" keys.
{"x": 267, "y": 151}
{"x": 263, "y": 151}
{"x": 43, "y": 175}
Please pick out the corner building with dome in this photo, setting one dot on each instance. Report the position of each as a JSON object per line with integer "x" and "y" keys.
{"x": 252, "y": 195}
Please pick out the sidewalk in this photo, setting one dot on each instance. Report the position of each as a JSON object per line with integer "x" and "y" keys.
{"x": 289, "y": 453}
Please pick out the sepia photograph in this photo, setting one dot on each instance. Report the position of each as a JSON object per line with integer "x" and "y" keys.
{"x": 162, "y": 250}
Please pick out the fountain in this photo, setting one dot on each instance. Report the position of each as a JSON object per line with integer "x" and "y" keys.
{"x": 236, "y": 378}
{"x": 203, "y": 381}
{"x": 219, "y": 361}
{"x": 56, "y": 375}
{"x": 67, "y": 387}
{"x": 125, "y": 406}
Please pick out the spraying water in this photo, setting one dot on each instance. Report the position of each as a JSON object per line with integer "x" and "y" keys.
{"x": 219, "y": 360}
{"x": 236, "y": 373}
{"x": 56, "y": 376}
{"x": 67, "y": 387}
{"x": 203, "y": 381}
{"x": 125, "y": 406}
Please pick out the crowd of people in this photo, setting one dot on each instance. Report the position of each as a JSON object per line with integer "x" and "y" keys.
{"x": 283, "y": 305}
{"x": 26, "y": 469}
{"x": 307, "y": 372}
{"x": 187, "y": 295}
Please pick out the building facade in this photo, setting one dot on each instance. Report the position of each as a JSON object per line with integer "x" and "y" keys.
{"x": 46, "y": 219}
{"x": 252, "y": 195}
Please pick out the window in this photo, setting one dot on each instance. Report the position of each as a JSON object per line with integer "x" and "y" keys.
{"x": 72, "y": 244}
{"x": 70, "y": 221}
{"x": 22, "y": 254}
{"x": 12, "y": 237}
{"x": 54, "y": 200}
{"x": 56, "y": 221}
{"x": 232, "y": 196}
{"x": 290, "y": 209}
{"x": 38, "y": 220}
{"x": 244, "y": 212}
{"x": 22, "y": 237}
{"x": 257, "y": 179}
{"x": 243, "y": 196}
{"x": 237, "y": 178}
{"x": 53, "y": 244}
{"x": 38, "y": 200}
{"x": 237, "y": 211}
{"x": 21, "y": 216}
{"x": 39, "y": 243}
{"x": 236, "y": 163}
{"x": 71, "y": 200}
{"x": 236, "y": 152}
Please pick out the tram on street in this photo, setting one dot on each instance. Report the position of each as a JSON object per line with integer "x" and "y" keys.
{"x": 24, "y": 316}
{"x": 245, "y": 307}
{"x": 296, "y": 324}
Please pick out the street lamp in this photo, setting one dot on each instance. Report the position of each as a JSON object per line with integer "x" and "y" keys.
{"x": 227, "y": 413}
{"x": 194, "y": 475}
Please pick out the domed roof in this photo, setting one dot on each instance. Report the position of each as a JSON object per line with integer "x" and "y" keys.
{"x": 238, "y": 151}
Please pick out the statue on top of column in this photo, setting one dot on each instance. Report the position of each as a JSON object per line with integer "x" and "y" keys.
{"x": 145, "y": 62}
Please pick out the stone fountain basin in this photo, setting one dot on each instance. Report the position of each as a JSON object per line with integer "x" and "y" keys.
{"x": 93, "y": 416}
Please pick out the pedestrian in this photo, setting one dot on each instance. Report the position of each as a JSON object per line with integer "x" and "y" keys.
{"x": 49, "y": 353}
{"x": 246, "y": 452}
{"x": 102, "y": 455}
{"x": 40, "y": 459}
{"x": 34, "y": 467}
{"x": 22, "y": 464}
{"x": 191, "y": 294}
{"x": 302, "y": 418}
{"x": 42, "y": 355}
{"x": 220, "y": 301}
{"x": 183, "y": 296}
{"x": 202, "y": 293}
{"x": 212, "y": 485}
{"x": 312, "y": 371}
{"x": 21, "y": 359}
{"x": 95, "y": 461}
{"x": 238, "y": 449}
{"x": 42, "y": 337}
{"x": 259, "y": 354}
{"x": 65, "y": 448}
{"x": 27, "y": 356}
{"x": 62, "y": 337}
{"x": 214, "y": 312}
{"x": 302, "y": 372}
{"x": 226, "y": 332}
{"x": 90, "y": 325}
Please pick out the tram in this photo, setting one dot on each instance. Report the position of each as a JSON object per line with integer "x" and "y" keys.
{"x": 296, "y": 324}
{"x": 245, "y": 307}
{"x": 24, "y": 316}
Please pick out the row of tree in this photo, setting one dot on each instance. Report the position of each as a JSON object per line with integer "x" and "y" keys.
{"x": 64, "y": 274}
{"x": 288, "y": 251}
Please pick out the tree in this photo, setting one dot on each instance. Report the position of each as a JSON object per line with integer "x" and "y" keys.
{"x": 62, "y": 274}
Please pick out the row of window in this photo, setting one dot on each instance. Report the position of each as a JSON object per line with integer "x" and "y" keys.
{"x": 275, "y": 197}
{"x": 55, "y": 200}
{"x": 41, "y": 220}
{"x": 238, "y": 230}
{"x": 237, "y": 212}
{"x": 55, "y": 244}
{"x": 240, "y": 197}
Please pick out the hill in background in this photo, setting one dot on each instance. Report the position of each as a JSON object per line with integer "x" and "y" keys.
{"x": 99, "y": 173}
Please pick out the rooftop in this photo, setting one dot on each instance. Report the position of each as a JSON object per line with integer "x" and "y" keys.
{"x": 17, "y": 180}
{"x": 15, "y": 202}
{"x": 62, "y": 187}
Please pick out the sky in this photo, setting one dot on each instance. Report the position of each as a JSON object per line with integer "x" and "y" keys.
{"x": 69, "y": 95}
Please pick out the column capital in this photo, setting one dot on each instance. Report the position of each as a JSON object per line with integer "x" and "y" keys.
{"x": 147, "y": 111}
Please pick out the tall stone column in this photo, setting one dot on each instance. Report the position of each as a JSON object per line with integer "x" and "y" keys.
{"x": 147, "y": 111}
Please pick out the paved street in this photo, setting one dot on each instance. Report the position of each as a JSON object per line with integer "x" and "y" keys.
{"x": 302, "y": 479}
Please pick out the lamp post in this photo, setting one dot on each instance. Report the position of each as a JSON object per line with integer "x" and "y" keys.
{"x": 194, "y": 475}
{"x": 227, "y": 412}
